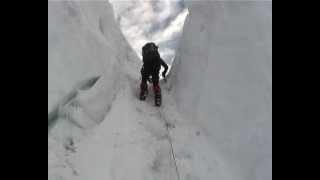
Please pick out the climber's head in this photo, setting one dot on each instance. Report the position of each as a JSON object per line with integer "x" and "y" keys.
{"x": 149, "y": 47}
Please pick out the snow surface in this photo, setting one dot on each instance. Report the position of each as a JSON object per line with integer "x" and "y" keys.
{"x": 215, "y": 122}
{"x": 222, "y": 81}
{"x": 86, "y": 52}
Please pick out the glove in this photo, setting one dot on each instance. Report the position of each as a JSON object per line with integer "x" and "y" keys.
{"x": 164, "y": 75}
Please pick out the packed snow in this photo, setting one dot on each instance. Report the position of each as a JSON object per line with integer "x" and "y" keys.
{"x": 215, "y": 121}
{"x": 222, "y": 82}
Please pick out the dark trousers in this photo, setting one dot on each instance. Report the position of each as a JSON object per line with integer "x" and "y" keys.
{"x": 145, "y": 74}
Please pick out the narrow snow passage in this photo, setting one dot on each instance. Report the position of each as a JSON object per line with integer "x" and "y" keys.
{"x": 216, "y": 119}
{"x": 132, "y": 142}
{"x": 139, "y": 141}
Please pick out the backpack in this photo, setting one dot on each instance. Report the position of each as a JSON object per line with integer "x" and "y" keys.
{"x": 150, "y": 55}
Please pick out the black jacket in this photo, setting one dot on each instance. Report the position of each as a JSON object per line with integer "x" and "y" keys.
{"x": 153, "y": 66}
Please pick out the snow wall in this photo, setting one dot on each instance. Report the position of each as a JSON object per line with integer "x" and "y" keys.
{"x": 222, "y": 80}
{"x": 86, "y": 50}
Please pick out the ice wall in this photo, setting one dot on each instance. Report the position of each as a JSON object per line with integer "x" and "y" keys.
{"x": 87, "y": 55}
{"x": 86, "y": 50}
{"x": 222, "y": 81}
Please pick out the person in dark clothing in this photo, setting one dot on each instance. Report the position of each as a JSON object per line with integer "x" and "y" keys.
{"x": 152, "y": 63}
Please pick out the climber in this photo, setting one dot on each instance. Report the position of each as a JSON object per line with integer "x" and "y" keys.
{"x": 152, "y": 63}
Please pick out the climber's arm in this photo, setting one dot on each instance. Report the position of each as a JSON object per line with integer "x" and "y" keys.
{"x": 165, "y": 68}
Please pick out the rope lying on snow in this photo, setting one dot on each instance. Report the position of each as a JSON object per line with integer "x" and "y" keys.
{"x": 167, "y": 124}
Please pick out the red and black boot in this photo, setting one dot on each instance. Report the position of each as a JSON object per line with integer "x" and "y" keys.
{"x": 157, "y": 95}
{"x": 143, "y": 91}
